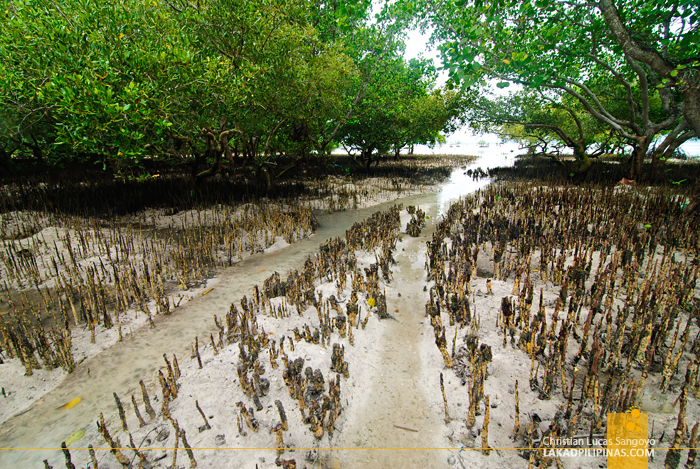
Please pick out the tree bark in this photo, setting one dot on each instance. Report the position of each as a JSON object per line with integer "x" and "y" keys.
{"x": 6, "y": 156}
{"x": 265, "y": 177}
{"x": 677, "y": 143}
{"x": 36, "y": 149}
{"x": 581, "y": 156}
{"x": 638, "y": 154}
{"x": 686, "y": 80}
{"x": 5, "y": 161}
{"x": 366, "y": 156}
{"x": 211, "y": 171}
{"x": 218, "y": 146}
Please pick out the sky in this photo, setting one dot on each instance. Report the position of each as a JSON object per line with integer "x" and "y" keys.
{"x": 417, "y": 44}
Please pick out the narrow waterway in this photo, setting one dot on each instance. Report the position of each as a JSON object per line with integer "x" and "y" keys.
{"x": 402, "y": 425}
{"x": 27, "y": 439}
{"x": 398, "y": 427}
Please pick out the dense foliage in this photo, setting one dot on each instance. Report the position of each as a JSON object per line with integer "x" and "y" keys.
{"x": 226, "y": 84}
{"x": 209, "y": 84}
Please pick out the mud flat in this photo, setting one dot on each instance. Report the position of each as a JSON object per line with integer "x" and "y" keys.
{"x": 73, "y": 286}
{"x": 464, "y": 334}
{"x": 357, "y": 361}
{"x": 553, "y": 306}
{"x": 40, "y": 296}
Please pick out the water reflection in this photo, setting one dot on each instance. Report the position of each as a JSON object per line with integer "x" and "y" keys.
{"x": 461, "y": 184}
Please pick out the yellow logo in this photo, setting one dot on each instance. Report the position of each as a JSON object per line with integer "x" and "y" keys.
{"x": 634, "y": 421}
{"x": 628, "y": 440}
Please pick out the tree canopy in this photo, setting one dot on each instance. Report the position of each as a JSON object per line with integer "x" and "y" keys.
{"x": 219, "y": 84}
{"x": 401, "y": 108}
{"x": 633, "y": 65}
{"x": 208, "y": 84}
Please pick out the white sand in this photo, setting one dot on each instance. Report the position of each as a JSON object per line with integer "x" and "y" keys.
{"x": 393, "y": 382}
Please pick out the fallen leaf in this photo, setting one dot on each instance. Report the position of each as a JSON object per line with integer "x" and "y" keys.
{"x": 75, "y": 436}
{"x": 71, "y": 404}
{"x": 207, "y": 291}
{"x": 261, "y": 271}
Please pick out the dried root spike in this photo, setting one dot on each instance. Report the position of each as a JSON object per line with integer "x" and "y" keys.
{"x": 206, "y": 422}
{"x": 485, "y": 430}
{"x": 283, "y": 415}
{"x": 147, "y": 401}
{"x": 142, "y": 423}
{"x": 66, "y": 454}
{"x": 444, "y": 399}
{"x": 120, "y": 408}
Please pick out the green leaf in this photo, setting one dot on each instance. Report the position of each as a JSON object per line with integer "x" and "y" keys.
{"x": 503, "y": 84}
{"x": 74, "y": 437}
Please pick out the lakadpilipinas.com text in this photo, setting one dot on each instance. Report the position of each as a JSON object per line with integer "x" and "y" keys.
{"x": 585, "y": 447}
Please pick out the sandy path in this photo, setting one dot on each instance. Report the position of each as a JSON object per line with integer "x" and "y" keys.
{"x": 402, "y": 392}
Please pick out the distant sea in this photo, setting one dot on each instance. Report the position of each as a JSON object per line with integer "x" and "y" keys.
{"x": 480, "y": 146}
{"x": 472, "y": 147}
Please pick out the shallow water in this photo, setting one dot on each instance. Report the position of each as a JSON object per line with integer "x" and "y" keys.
{"x": 461, "y": 184}
{"x": 35, "y": 434}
